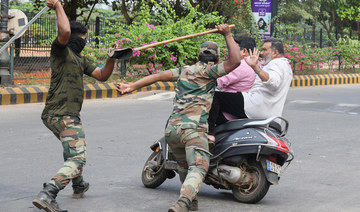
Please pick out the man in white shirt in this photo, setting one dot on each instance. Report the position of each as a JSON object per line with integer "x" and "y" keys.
{"x": 267, "y": 96}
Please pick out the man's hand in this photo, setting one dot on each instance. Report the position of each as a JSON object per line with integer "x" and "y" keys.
{"x": 253, "y": 59}
{"x": 224, "y": 29}
{"x": 115, "y": 46}
{"x": 111, "y": 51}
{"x": 123, "y": 88}
{"x": 52, "y": 3}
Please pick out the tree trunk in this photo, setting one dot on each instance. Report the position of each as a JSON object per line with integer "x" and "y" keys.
{"x": 313, "y": 33}
{"x": 92, "y": 9}
{"x": 216, "y": 6}
{"x": 177, "y": 8}
{"x": 72, "y": 13}
{"x": 125, "y": 12}
{"x": 328, "y": 29}
{"x": 192, "y": 3}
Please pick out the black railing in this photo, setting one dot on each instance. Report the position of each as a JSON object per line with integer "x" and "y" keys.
{"x": 315, "y": 37}
{"x": 38, "y": 37}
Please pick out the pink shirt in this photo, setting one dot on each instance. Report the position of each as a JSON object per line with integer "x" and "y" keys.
{"x": 240, "y": 79}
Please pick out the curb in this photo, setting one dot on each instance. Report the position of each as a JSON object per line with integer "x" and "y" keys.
{"x": 35, "y": 94}
{"x": 324, "y": 79}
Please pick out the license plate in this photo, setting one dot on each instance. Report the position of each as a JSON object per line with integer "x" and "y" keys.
{"x": 273, "y": 167}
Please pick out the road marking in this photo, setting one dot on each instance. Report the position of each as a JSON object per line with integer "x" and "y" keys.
{"x": 351, "y": 109}
{"x": 159, "y": 96}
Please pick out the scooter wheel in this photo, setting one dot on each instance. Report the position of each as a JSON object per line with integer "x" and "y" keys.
{"x": 153, "y": 175}
{"x": 254, "y": 192}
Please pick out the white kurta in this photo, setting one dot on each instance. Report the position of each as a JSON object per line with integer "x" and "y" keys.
{"x": 267, "y": 99}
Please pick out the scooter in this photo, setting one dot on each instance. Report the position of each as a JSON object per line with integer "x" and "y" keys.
{"x": 249, "y": 155}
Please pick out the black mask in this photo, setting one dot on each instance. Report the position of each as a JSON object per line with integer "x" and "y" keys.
{"x": 76, "y": 44}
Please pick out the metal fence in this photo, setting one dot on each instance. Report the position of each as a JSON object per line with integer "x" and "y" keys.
{"x": 316, "y": 37}
{"x": 32, "y": 49}
{"x": 35, "y": 41}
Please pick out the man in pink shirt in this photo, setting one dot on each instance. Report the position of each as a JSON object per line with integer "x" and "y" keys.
{"x": 242, "y": 78}
{"x": 230, "y": 86}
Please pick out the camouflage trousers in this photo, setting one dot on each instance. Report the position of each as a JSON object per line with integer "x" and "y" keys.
{"x": 69, "y": 130}
{"x": 191, "y": 151}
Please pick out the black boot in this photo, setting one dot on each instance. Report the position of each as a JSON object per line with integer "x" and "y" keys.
{"x": 194, "y": 204}
{"x": 80, "y": 189}
{"x": 182, "y": 205}
{"x": 46, "y": 199}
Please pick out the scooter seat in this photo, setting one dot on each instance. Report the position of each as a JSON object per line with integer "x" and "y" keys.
{"x": 239, "y": 124}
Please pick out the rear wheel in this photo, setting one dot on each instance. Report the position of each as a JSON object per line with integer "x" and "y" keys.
{"x": 255, "y": 191}
{"x": 153, "y": 173}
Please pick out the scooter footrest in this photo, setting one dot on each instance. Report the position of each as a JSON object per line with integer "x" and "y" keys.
{"x": 171, "y": 165}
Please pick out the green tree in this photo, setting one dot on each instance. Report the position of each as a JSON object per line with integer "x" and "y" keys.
{"x": 291, "y": 14}
{"x": 313, "y": 13}
{"x": 233, "y": 11}
{"x": 74, "y": 8}
{"x": 325, "y": 13}
{"x": 350, "y": 10}
{"x": 25, "y": 7}
{"x": 151, "y": 27}
{"x": 15, "y": 2}
{"x": 291, "y": 11}
{"x": 35, "y": 30}
{"x": 129, "y": 8}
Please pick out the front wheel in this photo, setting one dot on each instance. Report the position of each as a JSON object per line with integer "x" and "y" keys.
{"x": 153, "y": 173}
{"x": 255, "y": 191}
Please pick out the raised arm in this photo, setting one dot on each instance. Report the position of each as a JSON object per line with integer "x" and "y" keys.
{"x": 233, "y": 48}
{"x": 253, "y": 62}
{"x": 63, "y": 24}
{"x": 163, "y": 76}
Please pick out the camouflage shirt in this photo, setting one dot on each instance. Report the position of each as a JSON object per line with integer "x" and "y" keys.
{"x": 66, "y": 92}
{"x": 194, "y": 94}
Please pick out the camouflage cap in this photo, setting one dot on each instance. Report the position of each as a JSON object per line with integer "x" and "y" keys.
{"x": 210, "y": 48}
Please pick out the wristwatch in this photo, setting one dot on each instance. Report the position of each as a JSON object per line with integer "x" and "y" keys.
{"x": 56, "y": 1}
{"x": 258, "y": 71}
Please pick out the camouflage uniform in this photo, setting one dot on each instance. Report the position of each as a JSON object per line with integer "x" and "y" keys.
{"x": 186, "y": 130}
{"x": 62, "y": 110}
{"x": 68, "y": 129}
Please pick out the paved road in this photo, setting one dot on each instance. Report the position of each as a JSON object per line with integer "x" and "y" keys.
{"x": 324, "y": 130}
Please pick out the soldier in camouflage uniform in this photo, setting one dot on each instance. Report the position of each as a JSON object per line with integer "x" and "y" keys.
{"x": 63, "y": 104}
{"x": 186, "y": 130}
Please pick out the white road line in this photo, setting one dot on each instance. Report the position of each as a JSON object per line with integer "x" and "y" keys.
{"x": 159, "y": 96}
{"x": 351, "y": 109}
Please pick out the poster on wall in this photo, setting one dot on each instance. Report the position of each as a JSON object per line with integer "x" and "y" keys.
{"x": 262, "y": 14}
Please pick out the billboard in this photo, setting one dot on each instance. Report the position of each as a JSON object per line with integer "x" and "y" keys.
{"x": 262, "y": 14}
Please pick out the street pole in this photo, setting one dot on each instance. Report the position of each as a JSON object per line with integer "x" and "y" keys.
{"x": 5, "y": 77}
{"x": 274, "y": 12}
